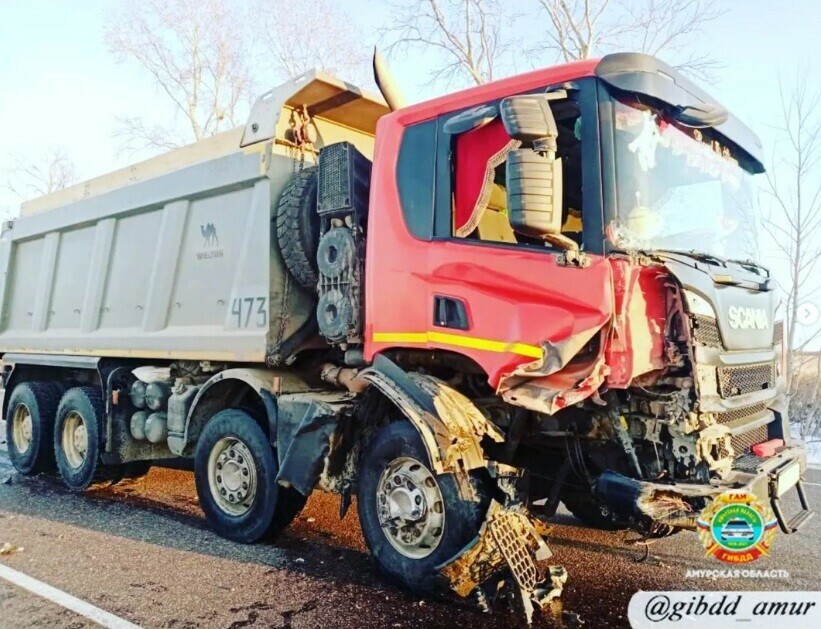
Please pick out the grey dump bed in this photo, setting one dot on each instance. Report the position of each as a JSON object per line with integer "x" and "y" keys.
{"x": 180, "y": 265}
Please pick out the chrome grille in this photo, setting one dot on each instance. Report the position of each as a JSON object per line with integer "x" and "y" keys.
{"x": 745, "y": 379}
{"x": 705, "y": 331}
{"x": 743, "y": 442}
{"x": 740, "y": 413}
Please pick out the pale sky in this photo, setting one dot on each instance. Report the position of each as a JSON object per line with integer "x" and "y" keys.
{"x": 61, "y": 88}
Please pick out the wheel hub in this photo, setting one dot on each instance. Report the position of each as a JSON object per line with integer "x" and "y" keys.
{"x": 22, "y": 429}
{"x": 232, "y": 476}
{"x": 410, "y": 507}
{"x": 74, "y": 439}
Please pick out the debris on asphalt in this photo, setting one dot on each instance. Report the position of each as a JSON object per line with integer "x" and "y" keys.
{"x": 572, "y": 619}
{"x": 8, "y": 548}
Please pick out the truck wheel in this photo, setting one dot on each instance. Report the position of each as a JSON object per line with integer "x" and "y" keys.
{"x": 235, "y": 469}
{"x": 29, "y": 427}
{"x": 585, "y": 507}
{"x": 297, "y": 226}
{"x": 412, "y": 519}
{"x": 132, "y": 471}
{"x": 77, "y": 438}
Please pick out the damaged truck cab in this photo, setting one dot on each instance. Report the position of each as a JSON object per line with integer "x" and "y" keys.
{"x": 543, "y": 289}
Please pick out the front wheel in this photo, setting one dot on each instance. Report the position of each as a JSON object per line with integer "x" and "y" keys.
{"x": 412, "y": 518}
{"x": 235, "y": 470}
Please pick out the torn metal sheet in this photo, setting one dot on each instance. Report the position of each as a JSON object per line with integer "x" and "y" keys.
{"x": 450, "y": 425}
{"x": 308, "y": 434}
{"x": 508, "y": 540}
{"x": 675, "y": 505}
{"x": 549, "y": 394}
{"x": 554, "y": 381}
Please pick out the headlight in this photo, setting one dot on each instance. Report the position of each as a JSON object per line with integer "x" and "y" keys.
{"x": 698, "y": 305}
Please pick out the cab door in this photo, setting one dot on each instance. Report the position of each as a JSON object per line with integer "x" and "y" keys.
{"x": 494, "y": 294}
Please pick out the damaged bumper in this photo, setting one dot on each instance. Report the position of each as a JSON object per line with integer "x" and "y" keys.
{"x": 679, "y": 505}
{"x": 510, "y": 539}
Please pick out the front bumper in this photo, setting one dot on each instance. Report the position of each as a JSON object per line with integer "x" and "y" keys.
{"x": 773, "y": 478}
{"x": 680, "y": 504}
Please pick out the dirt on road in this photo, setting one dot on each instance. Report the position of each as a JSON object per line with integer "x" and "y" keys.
{"x": 143, "y": 551}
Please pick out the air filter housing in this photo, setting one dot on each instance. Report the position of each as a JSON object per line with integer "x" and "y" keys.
{"x": 344, "y": 182}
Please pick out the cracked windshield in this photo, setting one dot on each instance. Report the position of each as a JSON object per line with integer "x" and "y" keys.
{"x": 680, "y": 189}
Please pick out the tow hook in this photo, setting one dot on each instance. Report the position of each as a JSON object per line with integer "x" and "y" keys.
{"x": 509, "y": 538}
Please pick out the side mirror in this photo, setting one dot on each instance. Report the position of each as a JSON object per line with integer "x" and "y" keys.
{"x": 471, "y": 119}
{"x": 534, "y": 176}
{"x": 534, "y": 196}
{"x": 529, "y": 119}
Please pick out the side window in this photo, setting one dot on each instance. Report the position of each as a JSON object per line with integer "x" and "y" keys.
{"x": 415, "y": 170}
{"x": 479, "y": 158}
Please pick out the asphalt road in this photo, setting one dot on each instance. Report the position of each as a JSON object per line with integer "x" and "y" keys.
{"x": 143, "y": 552}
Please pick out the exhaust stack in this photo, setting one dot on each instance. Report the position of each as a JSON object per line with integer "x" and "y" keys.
{"x": 385, "y": 82}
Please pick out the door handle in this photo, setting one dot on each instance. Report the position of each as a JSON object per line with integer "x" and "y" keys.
{"x": 449, "y": 312}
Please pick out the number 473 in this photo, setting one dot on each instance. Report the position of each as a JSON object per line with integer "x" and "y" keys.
{"x": 244, "y": 308}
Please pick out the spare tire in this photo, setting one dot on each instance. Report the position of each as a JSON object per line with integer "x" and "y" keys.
{"x": 297, "y": 227}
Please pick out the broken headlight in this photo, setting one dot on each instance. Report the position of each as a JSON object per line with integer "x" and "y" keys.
{"x": 697, "y": 305}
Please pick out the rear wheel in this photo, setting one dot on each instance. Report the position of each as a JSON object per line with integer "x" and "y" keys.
{"x": 133, "y": 471}
{"x": 235, "y": 469}
{"x": 31, "y": 410}
{"x": 77, "y": 438}
{"x": 412, "y": 518}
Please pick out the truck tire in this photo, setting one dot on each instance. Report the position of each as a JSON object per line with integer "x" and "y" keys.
{"x": 30, "y": 425}
{"x": 396, "y": 482}
{"x": 246, "y": 504}
{"x": 585, "y": 507}
{"x": 133, "y": 471}
{"x": 77, "y": 439}
{"x": 297, "y": 227}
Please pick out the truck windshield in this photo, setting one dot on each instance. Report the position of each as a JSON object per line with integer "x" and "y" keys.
{"x": 679, "y": 189}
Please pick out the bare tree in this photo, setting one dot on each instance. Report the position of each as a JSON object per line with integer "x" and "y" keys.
{"x": 198, "y": 57}
{"x": 332, "y": 43}
{"x": 48, "y": 172}
{"x": 794, "y": 223}
{"x": 580, "y": 29}
{"x": 475, "y": 38}
{"x": 470, "y": 36}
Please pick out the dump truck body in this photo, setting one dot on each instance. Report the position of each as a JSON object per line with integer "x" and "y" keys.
{"x": 174, "y": 258}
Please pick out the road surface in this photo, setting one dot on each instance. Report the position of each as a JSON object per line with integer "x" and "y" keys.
{"x": 144, "y": 553}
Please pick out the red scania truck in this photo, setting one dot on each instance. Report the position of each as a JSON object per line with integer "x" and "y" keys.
{"x": 543, "y": 289}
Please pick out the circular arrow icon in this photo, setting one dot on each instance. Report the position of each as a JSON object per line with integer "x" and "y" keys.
{"x": 807, "y": 314}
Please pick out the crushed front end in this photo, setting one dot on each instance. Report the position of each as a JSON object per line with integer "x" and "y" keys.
{"x": 710, "y": 414}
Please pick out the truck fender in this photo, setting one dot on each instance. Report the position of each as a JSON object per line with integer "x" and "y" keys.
{"x": 450, "y": 425}
{"x": 225, "y": 389}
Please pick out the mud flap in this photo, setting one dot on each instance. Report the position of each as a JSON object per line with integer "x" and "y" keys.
{"x": 509, "y": 539}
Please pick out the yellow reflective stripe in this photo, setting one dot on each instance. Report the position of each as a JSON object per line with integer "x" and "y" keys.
{"x": 458, "y": 340}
